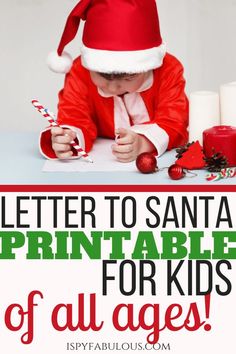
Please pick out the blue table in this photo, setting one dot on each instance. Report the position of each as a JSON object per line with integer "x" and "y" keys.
{"x": 22, "y": 164}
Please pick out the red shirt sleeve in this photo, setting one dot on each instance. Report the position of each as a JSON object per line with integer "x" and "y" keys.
{"x": 75, "y": 106}
{"x": 172, "y": 108}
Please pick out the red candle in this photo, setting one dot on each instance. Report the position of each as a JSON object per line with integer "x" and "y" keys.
{"x": 222, "y": 139}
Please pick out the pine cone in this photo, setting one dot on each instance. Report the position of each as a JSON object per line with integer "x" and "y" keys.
{"x": 182, "y": 149}
{"x": 216, "y": 162}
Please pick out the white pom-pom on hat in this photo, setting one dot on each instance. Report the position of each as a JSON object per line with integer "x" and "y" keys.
{"x": 59, "y": 63}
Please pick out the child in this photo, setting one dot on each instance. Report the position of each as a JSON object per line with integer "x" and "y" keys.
{"x": 123, "y": 85}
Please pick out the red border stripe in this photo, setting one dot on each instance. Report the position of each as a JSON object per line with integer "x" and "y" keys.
{"x": 117, "y": 188}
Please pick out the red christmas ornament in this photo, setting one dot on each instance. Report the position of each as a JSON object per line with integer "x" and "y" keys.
{"x": 176, "y": 172}
{"x": 146, "y": 163}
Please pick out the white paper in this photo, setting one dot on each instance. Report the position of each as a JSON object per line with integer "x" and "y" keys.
{"x": 228, "y": 104}
{"x": 204, "y": 113}
{"x": 103, "y": 160}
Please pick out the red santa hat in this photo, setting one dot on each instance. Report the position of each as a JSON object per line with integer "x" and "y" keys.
{"x": 121, "y": 36}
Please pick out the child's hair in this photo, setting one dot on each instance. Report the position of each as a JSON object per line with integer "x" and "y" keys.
{"x": 116, "y": 76}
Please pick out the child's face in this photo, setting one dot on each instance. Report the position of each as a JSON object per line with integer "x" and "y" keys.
{"x": 118, "y": 86}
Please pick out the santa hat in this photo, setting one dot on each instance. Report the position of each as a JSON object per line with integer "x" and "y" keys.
{"x": 121, "y": 36}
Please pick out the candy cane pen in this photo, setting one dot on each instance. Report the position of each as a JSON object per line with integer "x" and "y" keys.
{"x": 50, "y": 118}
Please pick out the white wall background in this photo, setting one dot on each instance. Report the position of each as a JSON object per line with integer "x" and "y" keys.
{"x": 201, "y": 33}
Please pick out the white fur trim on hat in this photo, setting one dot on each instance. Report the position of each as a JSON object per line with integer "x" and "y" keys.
{"x": 59, "y": 64}
{"x": 135, "y": 61}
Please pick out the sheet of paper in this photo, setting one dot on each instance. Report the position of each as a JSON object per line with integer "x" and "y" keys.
{"x": 102, "y": 157}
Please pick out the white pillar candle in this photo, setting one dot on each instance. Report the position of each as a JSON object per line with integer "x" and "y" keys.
{"x": 204, "y": 113}
{"x": 228, "y": 104}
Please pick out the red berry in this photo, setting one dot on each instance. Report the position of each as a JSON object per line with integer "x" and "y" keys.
{"x": 176, "y": 172}
{"x": 146, "y": 163}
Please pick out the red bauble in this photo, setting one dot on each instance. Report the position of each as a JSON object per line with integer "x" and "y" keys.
{"x": 176, "y": 172}
{"x": 146, "y": 163}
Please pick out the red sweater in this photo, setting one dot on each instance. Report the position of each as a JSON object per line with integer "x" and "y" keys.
{"x": 81, "y": 106}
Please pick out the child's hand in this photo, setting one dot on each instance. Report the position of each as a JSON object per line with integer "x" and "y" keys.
{"x": 61, "y": 139}
{"x": 130, "y": 144}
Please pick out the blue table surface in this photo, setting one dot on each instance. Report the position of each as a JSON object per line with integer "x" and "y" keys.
{"x": 22, "y": 164}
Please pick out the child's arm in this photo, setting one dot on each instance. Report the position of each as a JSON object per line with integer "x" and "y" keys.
{"x": 172, "y": 111}
{"x": 74, "y": 113}
{"x": 130, "y": 144}
{"x": 167, "y": 128}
